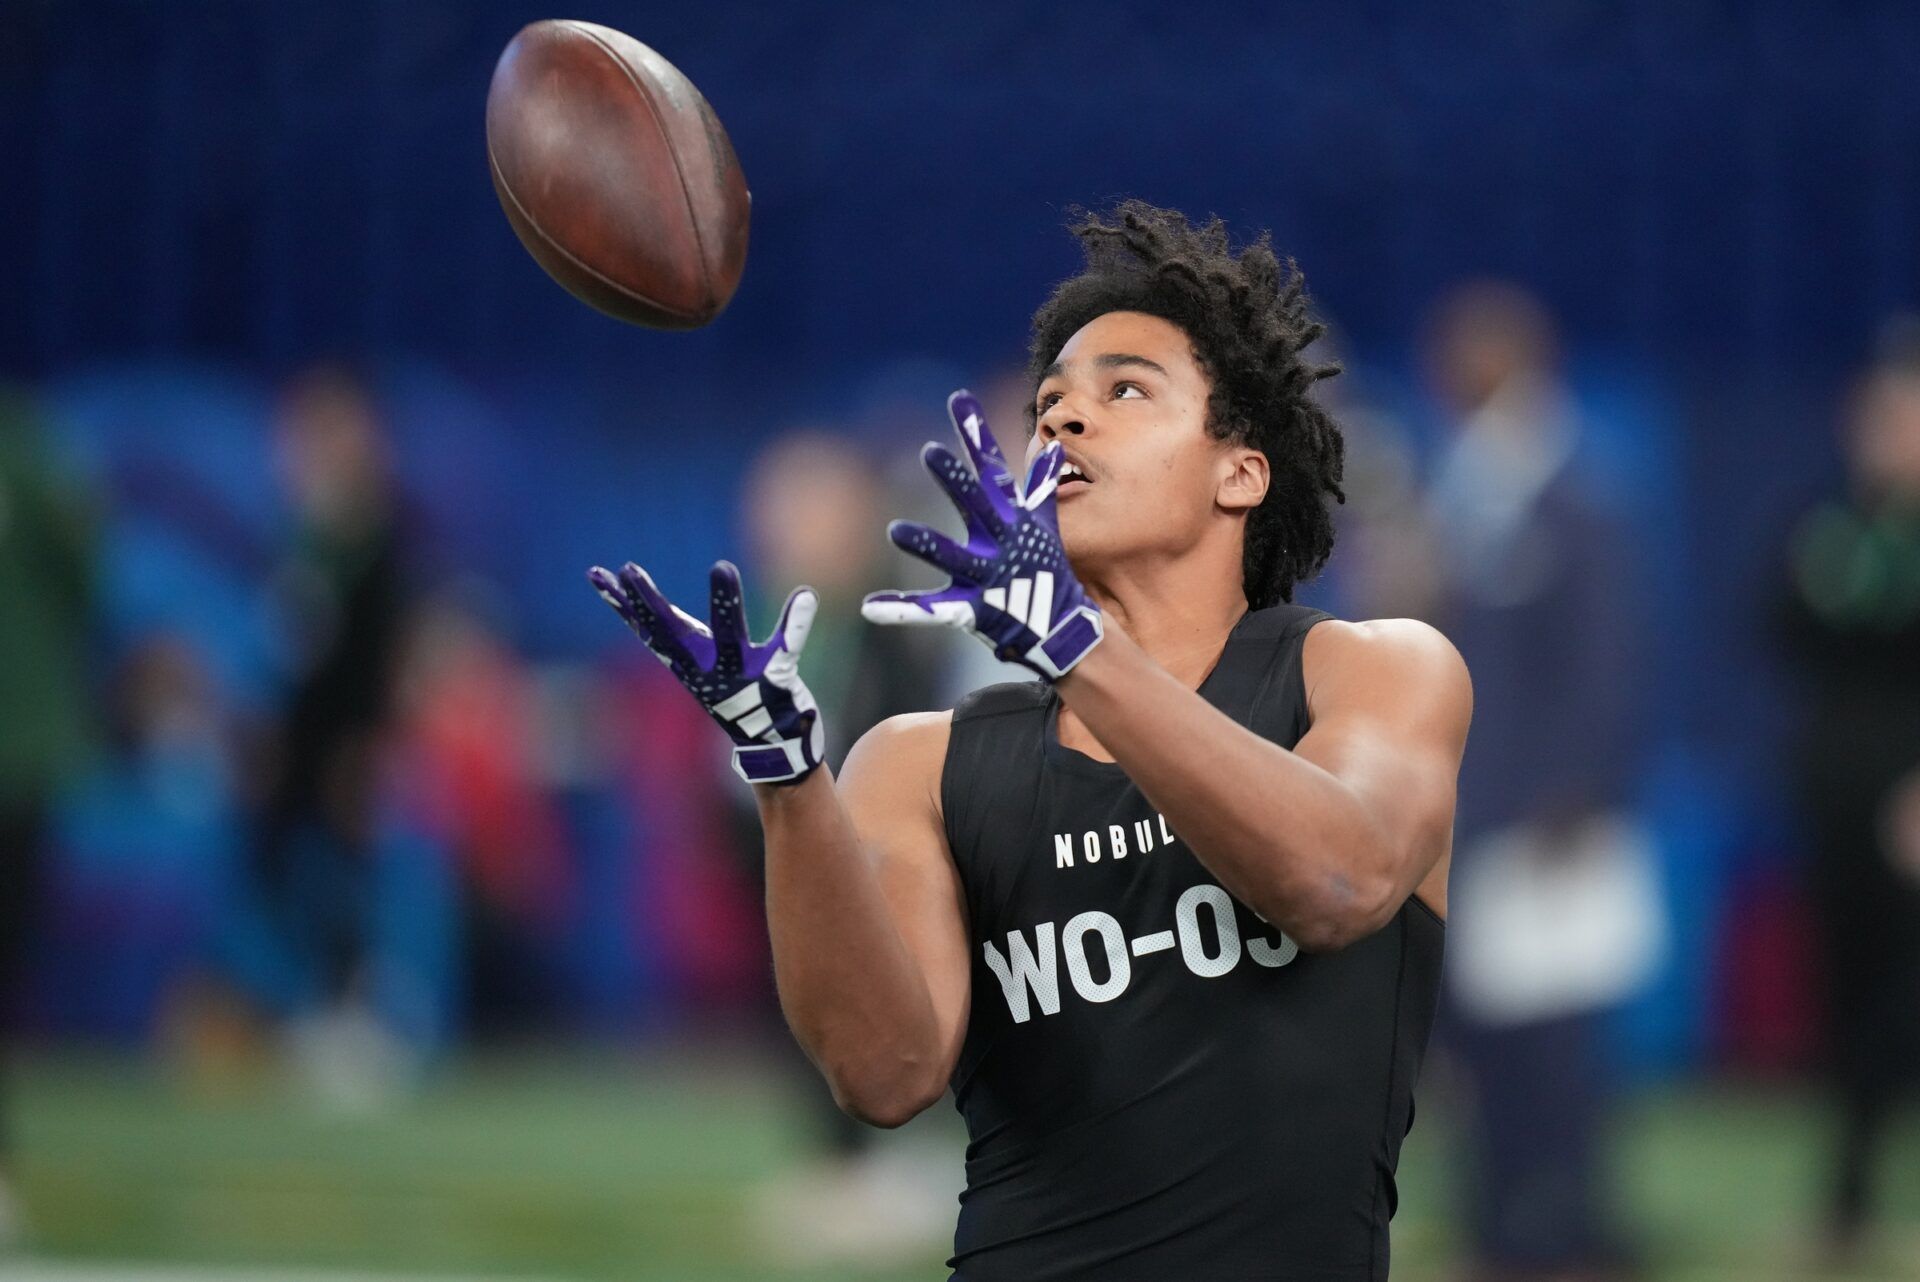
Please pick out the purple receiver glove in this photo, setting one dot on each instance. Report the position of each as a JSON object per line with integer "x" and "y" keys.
{"x": 753, "y": 691}
{"x": 1010, "y": 585}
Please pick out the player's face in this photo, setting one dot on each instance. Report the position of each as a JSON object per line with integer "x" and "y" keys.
{"x": 1128, "y": 401}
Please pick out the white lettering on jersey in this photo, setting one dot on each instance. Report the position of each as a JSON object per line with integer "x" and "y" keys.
{"x": 1226, "y": 929}
{"x": 1030, "y": 968}
{"x": 1113, "y": 844}
{"x": 1267, "y": 954}
{"x": 1210, "y": 948}
{"x": 1073, "y": 942}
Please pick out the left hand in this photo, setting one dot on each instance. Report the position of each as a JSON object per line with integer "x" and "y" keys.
{"x": 752, "y": 690}
{"x": 1010, "y": 585}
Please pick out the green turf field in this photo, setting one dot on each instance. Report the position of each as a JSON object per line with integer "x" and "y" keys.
{"x": 579, "y": 1167}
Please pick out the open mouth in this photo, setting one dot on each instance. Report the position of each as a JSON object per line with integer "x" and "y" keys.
{"x": 1071, "y": 477}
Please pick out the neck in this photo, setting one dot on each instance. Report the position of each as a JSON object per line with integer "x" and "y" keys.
{"x": 1179, "y": 609}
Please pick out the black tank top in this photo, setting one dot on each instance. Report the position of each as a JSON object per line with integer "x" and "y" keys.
{"x": 1156, "y": 1083}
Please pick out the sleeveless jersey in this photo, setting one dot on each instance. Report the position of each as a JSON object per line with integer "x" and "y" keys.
{"x": 1156, "y": 1083}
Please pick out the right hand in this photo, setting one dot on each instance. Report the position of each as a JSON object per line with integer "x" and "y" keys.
{"x": 1010, "y": 584}
{"x": 753, "y": 691}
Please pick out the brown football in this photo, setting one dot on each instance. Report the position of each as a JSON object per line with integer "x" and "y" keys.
{"x": 617, "y": 175}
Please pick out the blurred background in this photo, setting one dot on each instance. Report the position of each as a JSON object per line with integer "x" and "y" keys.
{"x": 373, "y": 903}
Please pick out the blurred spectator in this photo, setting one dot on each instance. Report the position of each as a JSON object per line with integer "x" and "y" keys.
{"x": 342, "y": 585}
{"x": 45, "y": 573}
{"x": 1853, "y": 625}
{"x": 470, "y": 780}
{"x": 1384, "y": 566}
{"x": 1553, "y": 908}
{"x": 814, "y": 515}
{"x": 148, "y": 839}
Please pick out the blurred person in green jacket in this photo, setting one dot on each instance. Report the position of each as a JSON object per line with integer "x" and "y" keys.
{"x": 45, "y": 567}
{"x": 1853, "y": 632}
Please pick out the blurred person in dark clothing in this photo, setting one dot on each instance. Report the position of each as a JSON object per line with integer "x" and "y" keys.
{"x": 1555, "y": 913}
{"x": 811, "y": 512}
{"x": 341, "y": 585}
{"x": 1853, "y": 626}
{"x": 46, "y": 566}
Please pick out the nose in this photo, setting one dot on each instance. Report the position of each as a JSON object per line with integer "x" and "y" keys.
{"x": 1058, "y": 422}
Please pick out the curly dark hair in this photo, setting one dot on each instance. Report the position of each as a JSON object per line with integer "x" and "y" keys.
{"x": 1246, "y": 316}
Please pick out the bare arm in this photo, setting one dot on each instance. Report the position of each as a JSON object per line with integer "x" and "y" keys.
{"x": 1327, "y": 840}
{"x": 868, "y": 923}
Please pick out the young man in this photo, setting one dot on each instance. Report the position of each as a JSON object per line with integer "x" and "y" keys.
{"x": 1168, "y": 920}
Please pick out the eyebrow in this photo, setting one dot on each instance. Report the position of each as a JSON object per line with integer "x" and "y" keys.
{"x": 1108, "y": 360}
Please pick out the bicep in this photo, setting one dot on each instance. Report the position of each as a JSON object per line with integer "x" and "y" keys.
{"x": 1391, "y": 702}
{"x": 890, "y": 786}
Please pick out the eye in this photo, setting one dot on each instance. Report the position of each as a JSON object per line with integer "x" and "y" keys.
{"x": 1045, "y": 403}
{"x": 1126, "y": 387}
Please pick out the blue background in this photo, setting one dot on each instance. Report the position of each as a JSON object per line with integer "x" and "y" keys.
{"x": 1718, "y": 200}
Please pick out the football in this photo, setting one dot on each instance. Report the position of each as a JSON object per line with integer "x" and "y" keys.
{"x": 616, "y": 174}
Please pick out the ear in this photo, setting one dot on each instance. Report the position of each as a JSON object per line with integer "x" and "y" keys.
{"x": 1245, "y": 474}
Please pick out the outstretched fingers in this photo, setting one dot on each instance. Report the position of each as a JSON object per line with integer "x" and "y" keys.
{"x": 976, "y": 438}
{"x": 727, "y": 609}
{"x": 639, "y": 609}
{"x": 1043, "y": 478}
{"x": 670, "y": 631}
{"x": 636, "y": 611}
{"x": 964, "y": 488}
{"x": 610, "y": 591}
{"x": 937, "y": 550}
{"x": 796, "y": 620}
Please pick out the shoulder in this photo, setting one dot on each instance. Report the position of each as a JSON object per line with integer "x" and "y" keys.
{"x": 911, "y": 735}
{"x": 1385, "y": 640}
{"x": 897, "y": 764}
{"x": 1385, "y": 660}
